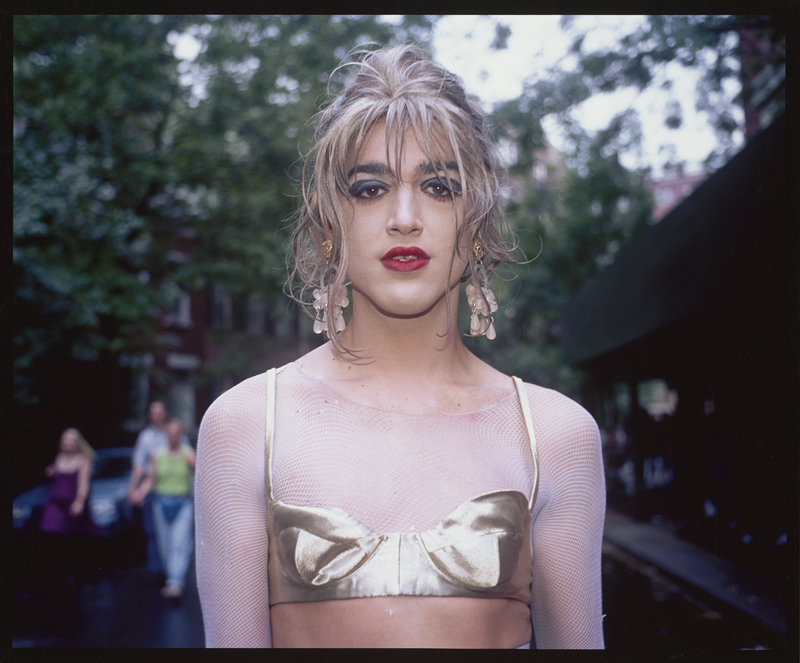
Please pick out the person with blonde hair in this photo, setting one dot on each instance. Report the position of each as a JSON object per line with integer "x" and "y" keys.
{"x": 389, "y": 488}
{"x": 65, "y": 510}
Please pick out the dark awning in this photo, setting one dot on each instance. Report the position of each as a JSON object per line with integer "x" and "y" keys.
{"x": 733, "y": 238}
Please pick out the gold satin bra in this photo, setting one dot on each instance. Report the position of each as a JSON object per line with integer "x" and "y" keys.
{"x": 480, "y": 549}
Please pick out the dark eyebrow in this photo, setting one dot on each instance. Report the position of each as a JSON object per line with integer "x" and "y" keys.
{"x": 370, "y": 169}
{"x": 384, "y": 170}
{"x": 432, "y": 168}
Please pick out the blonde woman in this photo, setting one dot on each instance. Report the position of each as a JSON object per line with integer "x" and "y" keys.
{"x": 65, "y": 510}
{"x": 390, "y": 489}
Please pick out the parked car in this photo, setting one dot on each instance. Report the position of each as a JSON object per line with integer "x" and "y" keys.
{"x": 108, "y": 504}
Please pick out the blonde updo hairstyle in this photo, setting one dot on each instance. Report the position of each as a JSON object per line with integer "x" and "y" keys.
{"x": 400, "y": 85}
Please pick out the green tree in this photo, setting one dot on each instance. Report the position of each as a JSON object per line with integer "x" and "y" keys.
{"x": 92, "y": 98}
{"x": 571, "y": 222}
{"x": 119, "y": 147}
{"x": 120, "y": 150}
{"x": 704, "y": 44}
{"x": 239, "y": 150}
{"x": 584, "y": 216}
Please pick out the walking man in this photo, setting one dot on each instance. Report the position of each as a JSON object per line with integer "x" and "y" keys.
{"x": 149, "y": 442}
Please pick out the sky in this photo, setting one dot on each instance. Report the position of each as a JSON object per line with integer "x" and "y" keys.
{"x": 462, "y": 44}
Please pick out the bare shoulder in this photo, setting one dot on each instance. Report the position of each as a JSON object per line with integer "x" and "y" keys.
{"x": 323, "y": 363}
{"x": 486, "y": 375}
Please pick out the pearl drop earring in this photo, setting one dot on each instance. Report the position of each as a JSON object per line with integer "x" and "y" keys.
{"x": 325, "y": 298}
{"x": 481, "y": 300}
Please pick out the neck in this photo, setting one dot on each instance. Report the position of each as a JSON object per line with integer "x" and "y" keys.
{"x": 416, "y": 348}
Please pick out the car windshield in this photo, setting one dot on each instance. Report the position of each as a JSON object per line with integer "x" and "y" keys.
{"x": 112, "y": 466}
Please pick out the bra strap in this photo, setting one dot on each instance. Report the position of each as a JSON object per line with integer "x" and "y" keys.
{"x": 270, "y": 431}
{"x": 526, "y": 415}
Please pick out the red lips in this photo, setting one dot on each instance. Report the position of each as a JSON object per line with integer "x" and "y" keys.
{"x": 405, "y": 259}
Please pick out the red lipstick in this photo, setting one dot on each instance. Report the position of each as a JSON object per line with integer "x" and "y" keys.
{"x": 405, "y": 259}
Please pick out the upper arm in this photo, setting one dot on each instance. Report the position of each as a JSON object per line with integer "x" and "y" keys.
{"x": 191, "y": 458}
{"x": 231, "y": 534}
{"x": 138, "y": 457}
{"x": 567, "y": 537}
{"x": 84, "y": 475}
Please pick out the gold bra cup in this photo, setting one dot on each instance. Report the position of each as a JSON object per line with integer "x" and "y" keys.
{"x": 326, "y": 553}
{"x": 317, "y": 547}
{"x": 477, "y": 545}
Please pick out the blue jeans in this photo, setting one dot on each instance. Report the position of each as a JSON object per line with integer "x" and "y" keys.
{"x": 175, "y": 538}
{"x": 151, "y": 545}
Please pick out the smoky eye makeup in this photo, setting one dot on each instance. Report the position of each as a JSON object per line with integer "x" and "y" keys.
{"x": 371, "y": 188}
{"x": 448, "y": 189}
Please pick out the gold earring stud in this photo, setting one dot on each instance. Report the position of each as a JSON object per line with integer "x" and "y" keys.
{"x": 477, "y": 251}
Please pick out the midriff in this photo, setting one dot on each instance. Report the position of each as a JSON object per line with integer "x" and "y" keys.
{"x": 449, "y": 622}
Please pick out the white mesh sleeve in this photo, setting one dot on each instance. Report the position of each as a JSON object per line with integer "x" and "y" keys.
{"x": 231, "y": 510}
{"x": 567, "y": 531}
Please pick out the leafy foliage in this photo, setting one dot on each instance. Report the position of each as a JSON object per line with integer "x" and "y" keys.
{"x": 573, "y": 221}
{"x": 88, "y": 154}
{"x": 239, "y": 149}
{"x": 118, "y": 151}
{"x": 584, "y": 207}
{"x": 582, "y": 211}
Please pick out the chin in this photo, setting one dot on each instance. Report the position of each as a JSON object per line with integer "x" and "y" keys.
{"x": 411, "y": 309}
{"x": 405, "y": 302}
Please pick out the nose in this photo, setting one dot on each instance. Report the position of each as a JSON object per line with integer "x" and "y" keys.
{"x": 404, "y": 215}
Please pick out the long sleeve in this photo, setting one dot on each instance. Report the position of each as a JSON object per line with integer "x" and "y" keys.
{"x": 231, "y": 517}
{"x": 567, "y": 532}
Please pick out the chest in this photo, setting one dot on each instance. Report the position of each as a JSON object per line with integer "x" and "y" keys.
{"x": 68, "y": 465}
{"x": 394, "y": 471}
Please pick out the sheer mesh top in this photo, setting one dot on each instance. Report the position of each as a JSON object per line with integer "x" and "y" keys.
{"x": 395, "y": 473}
{"x": 479, "y": 549}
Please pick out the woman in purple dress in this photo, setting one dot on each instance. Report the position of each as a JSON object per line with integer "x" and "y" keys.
{"x": 66, "y": 509}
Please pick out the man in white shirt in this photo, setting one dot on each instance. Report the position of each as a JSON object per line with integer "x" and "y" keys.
{"x": 148, "y": 443}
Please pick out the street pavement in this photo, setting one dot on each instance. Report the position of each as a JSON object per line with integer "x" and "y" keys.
{"x": 649, "y": 611}
{"x": 121, "y": 608}
{"x": 660, "y": 594}
{"x": 758, "y": 596}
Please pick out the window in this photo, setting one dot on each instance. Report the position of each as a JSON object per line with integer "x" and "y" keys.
{"x": 179, "y": 314}
{"x": 221, "y": 309}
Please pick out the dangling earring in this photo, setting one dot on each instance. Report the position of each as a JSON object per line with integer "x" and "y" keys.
{"x": 481, "y": 300}
{"x": 323, "y": 298}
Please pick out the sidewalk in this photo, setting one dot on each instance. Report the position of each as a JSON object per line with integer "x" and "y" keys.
{"x": 741, "y": 589}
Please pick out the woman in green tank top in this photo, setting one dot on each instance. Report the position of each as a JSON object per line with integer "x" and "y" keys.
{"x": 171, "y": 481}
